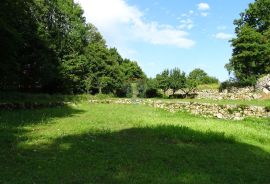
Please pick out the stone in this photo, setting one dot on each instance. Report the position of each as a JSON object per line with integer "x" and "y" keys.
{"x": 266, "y": 91}
{"x": 263, "y": 82}
{"x": 238, "y": 118}
{"x": 220, "y": 116}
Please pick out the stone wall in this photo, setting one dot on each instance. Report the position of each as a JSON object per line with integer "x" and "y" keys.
{"x": 263, "y": 84}
{"x": 246, "y": 93}
{"x": 233, "y": 112}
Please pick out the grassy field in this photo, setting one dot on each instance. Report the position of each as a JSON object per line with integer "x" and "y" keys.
{"x": 108, "y": 143}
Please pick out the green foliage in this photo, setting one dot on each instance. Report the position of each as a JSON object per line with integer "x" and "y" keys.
{"x": 132, "y": 71}
{"x": 148, "y": 88}
{"x": 201, "y": 77}
{"x": 229, "y": 84}
{"x": 152, "y": 89}
{"x": 124, "y": 91}
{"x": 251, "y": 48}
{"x": 163, "y": 80}
{"x": 177, "y": 79}
{"x": 48, "y": 47}
{"x": 141, "y": 87}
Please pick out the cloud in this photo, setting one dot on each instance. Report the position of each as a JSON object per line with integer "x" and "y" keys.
{"x": 122, "y": 23}
{"x": 186, "y": 24}
{"x": 223, "y": 36}
{"x": 203, "y": 6}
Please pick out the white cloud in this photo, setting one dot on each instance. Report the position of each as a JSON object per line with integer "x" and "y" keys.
{"x": 121, "y": 23}
{"x": 186, "y": 24}
{"x": 203, "y": 6}
{"x": 223, "y": 36}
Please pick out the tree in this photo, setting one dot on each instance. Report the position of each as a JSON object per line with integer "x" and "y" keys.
{"x": 177, "y": 80}
{"x": 102, "y": 83}
{"x": 201, "y": 77}
{"x": 163, "y": 80}
{"x": 132, "y": 70}
{"x": 251, "y": 48}
{"x": 47, "y": 46}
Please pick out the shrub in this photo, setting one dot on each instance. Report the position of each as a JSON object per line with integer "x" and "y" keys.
{"x": 124, "y": 91}
{"x": 230, "y": 84}
{"x": 152, "y": 93}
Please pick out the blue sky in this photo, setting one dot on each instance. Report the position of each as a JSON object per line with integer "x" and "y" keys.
{"x": 161, "y": 34}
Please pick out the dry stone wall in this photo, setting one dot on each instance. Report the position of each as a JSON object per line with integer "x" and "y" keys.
{"x": 263, "y": 84}
{"x": 247, "y": 93}
{"x": 233, "y": 112}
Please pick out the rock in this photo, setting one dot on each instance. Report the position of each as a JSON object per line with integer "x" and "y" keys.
{"x": 263, "y": 83}
{"x": 238, "y": 115}
{"x": 266, "y": 91}
{"x": 220, "y": 116}
{"x": 238, "y": 118}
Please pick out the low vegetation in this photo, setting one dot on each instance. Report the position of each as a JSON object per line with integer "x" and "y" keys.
{"x": 108, "y": 143}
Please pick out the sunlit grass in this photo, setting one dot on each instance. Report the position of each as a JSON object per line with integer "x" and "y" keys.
{"x": 109, "y": 143}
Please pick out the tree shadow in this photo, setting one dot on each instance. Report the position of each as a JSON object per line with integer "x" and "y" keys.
{"x": 12, "y": 131}
{"x": 162, "y": 154}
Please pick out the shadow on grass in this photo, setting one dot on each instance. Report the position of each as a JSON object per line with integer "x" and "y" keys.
{"x": 11, "y": 134}
{"x": 163, "y": 154}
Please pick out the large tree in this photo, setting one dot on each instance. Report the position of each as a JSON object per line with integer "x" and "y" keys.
{"x": 177, "y": 79}
{"x": 47, "y": 46}
{"x": 163, "y": 80}
{"x": 251, "y": 47}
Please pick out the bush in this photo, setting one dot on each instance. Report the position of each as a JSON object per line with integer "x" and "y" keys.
{"x": 152, "y": 93}
{"x": 124, "y": 91}
{"x": 141, "y": 87}
{"x": 230, "y": 84}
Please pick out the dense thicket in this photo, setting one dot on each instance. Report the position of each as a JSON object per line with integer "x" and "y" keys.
{"x": 251, "y": 47}
{"x": 47, "y": 46}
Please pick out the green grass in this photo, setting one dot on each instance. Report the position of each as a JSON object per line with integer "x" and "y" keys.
{"x": 208, "y": 86}
{"x": 109, "y": 143}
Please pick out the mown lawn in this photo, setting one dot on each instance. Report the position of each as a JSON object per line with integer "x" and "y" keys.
{"x": 108, "y": 143}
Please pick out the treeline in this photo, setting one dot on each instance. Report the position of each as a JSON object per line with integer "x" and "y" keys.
{"x": 175, "y": 80}
{"x": 47, "y": 46}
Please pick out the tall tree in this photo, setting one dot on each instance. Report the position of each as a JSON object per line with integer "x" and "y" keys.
{"x": 251, "y": 47}
{"x": 163, "y": 80}
{"x": 47, "y": 46}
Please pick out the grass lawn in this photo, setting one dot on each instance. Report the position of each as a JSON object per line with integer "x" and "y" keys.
{"x": 109, "y": 143}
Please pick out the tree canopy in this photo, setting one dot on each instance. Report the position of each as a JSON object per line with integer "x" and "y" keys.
{"x": 251, "y": 47}
{"x": 47, "y": 46}
{"x": 201, "y": 77}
